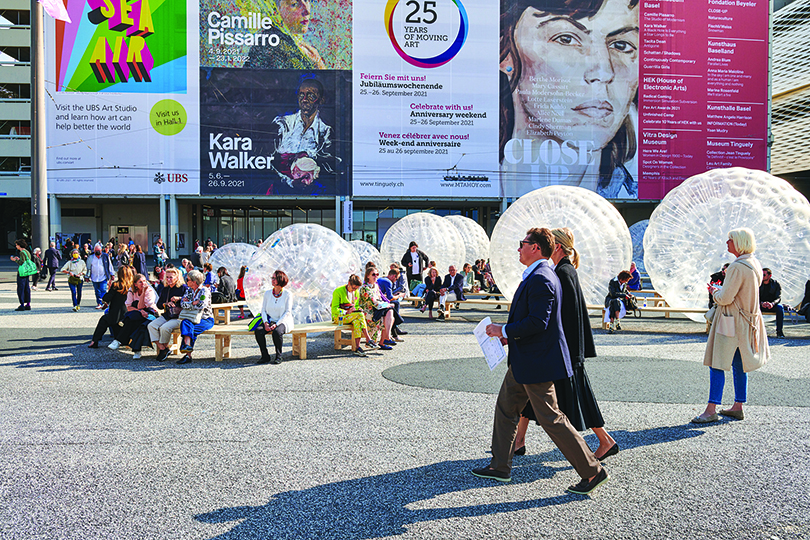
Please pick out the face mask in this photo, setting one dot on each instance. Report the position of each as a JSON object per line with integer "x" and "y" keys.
{"x": 75, "y": 255}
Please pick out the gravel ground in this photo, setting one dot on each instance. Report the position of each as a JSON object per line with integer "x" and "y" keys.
{"x": 96, "y": 445}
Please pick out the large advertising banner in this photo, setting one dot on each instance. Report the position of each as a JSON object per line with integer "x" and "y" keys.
{"x": 704, "y": 94}
{"x": 425, "y": 98}
{"x": 404, "y": 98}
{"x": 123, "y": 112}
{"x": 569, "y": 96}
{"x": 275, "y": 111}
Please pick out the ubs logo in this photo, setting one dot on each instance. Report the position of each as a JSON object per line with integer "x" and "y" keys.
{"x": 171, "y": 178}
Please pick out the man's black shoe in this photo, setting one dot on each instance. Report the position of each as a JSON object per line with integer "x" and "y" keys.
{"x": 162, "y": 355}
{"x": 264, "y": 360}
{"x": 585, "y": 487}
{"x": 276, "y": 359}
{"x": 401, "y": 332}
{"x": 492, "y": 474}
{"x": 185, "y": 360}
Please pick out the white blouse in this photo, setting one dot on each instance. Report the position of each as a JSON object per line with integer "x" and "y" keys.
{"x": 278, "y": 310}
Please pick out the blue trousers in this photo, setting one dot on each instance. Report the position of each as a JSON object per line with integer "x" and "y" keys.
{"x": 23, "y": 290}
{"x": 717, "y": 380}
{"x": 100, "y": 288}
{"x": 76, "y": 293}
{"x": 780, "y": 316}
{"x": 189, "y": 329}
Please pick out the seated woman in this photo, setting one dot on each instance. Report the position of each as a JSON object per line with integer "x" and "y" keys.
{"x": 614, "y": 301}
{"x": 433, "y": 284}
{"x": 379, "y": 314}
{"x": 196, "y": 316}
{"x": 210, "y": 280}
{"x": 469, "y": 277}
{"x": 276, "y": 316}
{"x": 141, "y": 303}
{"x": 115, "y": 300}
{"x": 345, "y": 310}
{"x": 170, "y": 292}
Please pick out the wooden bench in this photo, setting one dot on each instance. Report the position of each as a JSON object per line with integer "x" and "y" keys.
{"x": 504, "y": 302}
{"x": 666, "y": 310}
{"x": 222, "y": 312}
{"x": 223, "y": 333}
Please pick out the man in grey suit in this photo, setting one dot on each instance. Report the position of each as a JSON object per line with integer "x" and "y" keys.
{"x": 538, "y": 355}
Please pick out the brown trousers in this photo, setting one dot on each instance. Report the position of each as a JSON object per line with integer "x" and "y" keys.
{"x": 511, "y": 400}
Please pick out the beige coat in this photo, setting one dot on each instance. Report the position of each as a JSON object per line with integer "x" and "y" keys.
{"x": 740, "y": 298}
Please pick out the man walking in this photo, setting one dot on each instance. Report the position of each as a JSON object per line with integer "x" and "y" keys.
{"x": 538, "y": 355}
{"x": 101, "y": 271}
{"x": 52, "y": 258}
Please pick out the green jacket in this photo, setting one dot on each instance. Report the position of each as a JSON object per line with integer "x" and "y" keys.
{"x": 24, "y": 256}
{"x": 341, "y": 296}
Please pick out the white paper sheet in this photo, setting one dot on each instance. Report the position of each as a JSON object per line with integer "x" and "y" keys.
{"x": 494, "y": 353}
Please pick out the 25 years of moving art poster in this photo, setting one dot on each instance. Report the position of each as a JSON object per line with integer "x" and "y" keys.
{"x": 430, "y": 98}
{"x": 123, "y": 106}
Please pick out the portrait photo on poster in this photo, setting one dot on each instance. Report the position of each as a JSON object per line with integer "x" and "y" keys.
{"x": 569, "y": 72}
{"x": 276, "y": 34}
{"x": 273, "y": 132}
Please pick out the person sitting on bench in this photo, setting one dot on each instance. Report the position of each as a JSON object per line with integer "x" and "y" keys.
{"x": 452, "y": 289}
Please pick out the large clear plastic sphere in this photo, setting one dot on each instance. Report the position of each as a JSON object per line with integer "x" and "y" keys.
{"x": 367, "y": 253}
{"x": 476, "y": 241}
{"x": 637, "y": 231}
{"x": 600, "y": 236}
{"x": 686, "y": 239}
{"x": 437, "y": 238}
{"x": 316, "y": 260}
{"x": 233, "y": 256}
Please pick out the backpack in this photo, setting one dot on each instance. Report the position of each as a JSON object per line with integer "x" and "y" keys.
{"x": 125, "y": 258}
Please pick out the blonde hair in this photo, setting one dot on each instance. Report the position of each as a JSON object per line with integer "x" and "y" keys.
{"x": 178, "y": 277}
{"x": 565, "y": 237}
{"x": 743, "y": 239}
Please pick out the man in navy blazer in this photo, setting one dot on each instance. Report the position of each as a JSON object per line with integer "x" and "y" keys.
{"x": 538, "y": 355}
{"x": 52, "y": 257}
{"x": 452, "y": 289}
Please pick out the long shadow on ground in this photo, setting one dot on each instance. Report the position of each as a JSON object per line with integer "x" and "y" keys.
{"x": 378, "y": 506}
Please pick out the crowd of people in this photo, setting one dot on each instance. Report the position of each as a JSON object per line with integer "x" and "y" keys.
{"x": 548, "y": 329}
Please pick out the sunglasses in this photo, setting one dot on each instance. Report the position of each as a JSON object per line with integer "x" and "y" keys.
{"x": 523, "y": 242}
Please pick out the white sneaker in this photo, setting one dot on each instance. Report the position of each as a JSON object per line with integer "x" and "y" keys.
{"x": 100, "y": 306}
{"x": 114, "y": 345}
{"x": 136, "y": 355}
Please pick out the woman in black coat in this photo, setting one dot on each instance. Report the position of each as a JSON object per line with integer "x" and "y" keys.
{"x": 574, "y": 395}
{"x": 433, "y": 284}
{"x": 115, "y": 299}
{"x": 139, "y": 261}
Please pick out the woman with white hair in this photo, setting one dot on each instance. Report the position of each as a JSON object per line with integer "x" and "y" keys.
{"x": 196, "y": 316}
{"x": 737, "y": 339}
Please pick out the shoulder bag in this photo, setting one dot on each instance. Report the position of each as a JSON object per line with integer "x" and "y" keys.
{"x": 192, "y": 315}
{"x": 28, "y": 268}
{"x": 725, "y": 324}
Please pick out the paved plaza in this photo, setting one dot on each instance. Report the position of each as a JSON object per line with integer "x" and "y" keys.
{"x": 96, "y": 445}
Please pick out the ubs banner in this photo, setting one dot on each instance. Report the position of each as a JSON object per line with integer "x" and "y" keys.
{"x": 426, "y": 98}
{"x": 123, "y": 103}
